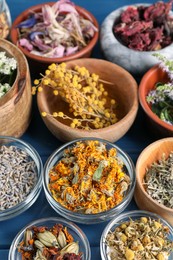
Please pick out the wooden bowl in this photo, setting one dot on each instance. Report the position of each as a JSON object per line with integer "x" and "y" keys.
{"x": 16, "y": 104}
{"x": 150, "y": 154}
{"x": 44, "y": 61}
{"x": 124, "y": 90}
{"x": 155, "y": 124}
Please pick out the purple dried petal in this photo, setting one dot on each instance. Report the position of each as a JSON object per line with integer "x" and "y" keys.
{"x": 32, "y": 35}
{"x": 25, "y": 43}
{"x": 64, "y": 6}
{"x": 71, "y": 50}
{"x": 27, "y": 23}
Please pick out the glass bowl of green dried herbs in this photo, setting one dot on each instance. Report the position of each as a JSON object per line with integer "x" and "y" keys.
{"x": 50, "y": 238}
{"x": 156, "y": 97}
{"x": 154, "y": 178}
{"x": 20, "y": 176}
{"x": 89, "y": 180}
{"x": 137, "y": 235}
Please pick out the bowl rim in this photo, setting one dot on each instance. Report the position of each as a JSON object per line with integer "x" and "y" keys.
{"x": 29, "y": 200}
{"x": 109, "y": 21}
{"x": 138, "y": 179}
{"x": 75, "y": 228}
{"x": 130, "y": 214}
{"x": 83, "y": 51}
{"x": 133, "y": 110}
{"x": 126, "y": 200}
{"x": 143, "y": 102}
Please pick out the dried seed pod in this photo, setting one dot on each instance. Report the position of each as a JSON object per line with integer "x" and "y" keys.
{"x": 39, "y": 255}
{"x": 27, "y": 237}
{"x": 47, "y": 238}
{"x": 62, "y": 239}
{"x": 39, "y": 244}
{"x": 70, "y": 248}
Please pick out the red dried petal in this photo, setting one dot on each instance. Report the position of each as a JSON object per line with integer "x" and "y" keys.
{"x": 130, "y": 14}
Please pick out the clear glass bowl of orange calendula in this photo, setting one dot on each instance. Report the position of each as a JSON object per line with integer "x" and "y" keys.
{"x": 89, "y": 180}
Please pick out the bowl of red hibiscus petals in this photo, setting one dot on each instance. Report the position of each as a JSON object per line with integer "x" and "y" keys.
{"x": 154, "y": 179}
{"x": 55, "y": 32}
{"x": 131, "y": 34}
{"x": 156, "y": 97}
{"x": 50, "y": 238}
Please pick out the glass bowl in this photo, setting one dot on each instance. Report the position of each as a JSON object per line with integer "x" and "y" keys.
{"x": 82, "y": 217}
{"x": 13, "y": 210}
{"x": 73, "y": 229}
{"x": 117, "y": 221}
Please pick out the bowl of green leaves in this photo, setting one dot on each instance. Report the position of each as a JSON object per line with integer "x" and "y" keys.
{"x": 156, "y": 96}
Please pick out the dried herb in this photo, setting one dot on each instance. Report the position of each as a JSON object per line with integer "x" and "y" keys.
{"x": 143, "y": 238}
{"x": 145, "y": 28}
{"x": 56, "y": 31}
{"x": 90, "y": 106}
{"x": 89, "y": 178}
{"x": 160, "y": 98}
{"x": 18, "y": 176}
{"x": 43, "y": 243}
{"x": 158, "y": 180}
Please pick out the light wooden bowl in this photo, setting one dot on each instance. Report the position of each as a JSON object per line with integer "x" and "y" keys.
{"x": 150, "y": 154}
{"x": 16, "y": 104}
{"x": 124, "y": 90}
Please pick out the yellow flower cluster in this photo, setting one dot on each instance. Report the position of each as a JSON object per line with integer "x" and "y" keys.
{"x": 85, "y": 94}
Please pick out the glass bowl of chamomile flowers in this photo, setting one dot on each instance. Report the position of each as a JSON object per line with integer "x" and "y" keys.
{"x": 89, "y": 180}
{"x": 50, "y": 238}
{"x": 137, "y": 235}
{"x": 15, "y": 91}
{"x": 80, "y": 99}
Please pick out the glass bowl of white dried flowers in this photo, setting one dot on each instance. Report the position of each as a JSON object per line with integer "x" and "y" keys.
{"x": 20, "y": 174}
{"x": 137, "y": 235}
{"x": 52, "y": 238}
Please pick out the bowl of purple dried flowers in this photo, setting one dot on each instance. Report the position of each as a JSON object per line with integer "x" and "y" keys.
{"x": 55, "y": 32}
{"x": 156, "y": 97}
{"x": 131, "y": 34}
{"x": 154, "y": 178}
{"x": 21, "y": 176}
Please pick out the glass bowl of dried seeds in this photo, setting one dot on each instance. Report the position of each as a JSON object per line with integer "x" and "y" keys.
{"x": 137, "y": 235}
{"x": 20, "y": 176}
{"x": 52, "y": 237}
{"x": 89, "y": 180}
{"x": 154, "y": 178}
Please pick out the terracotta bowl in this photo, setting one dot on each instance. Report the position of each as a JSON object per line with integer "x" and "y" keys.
{"x": 136, "y": 62}
{"x": 35, "y": 59}
{"x": 155, "y": 124}
{"x": 16, "y": 104}
{"x": 148, "y": 156}
{"x": 124, "y": 90}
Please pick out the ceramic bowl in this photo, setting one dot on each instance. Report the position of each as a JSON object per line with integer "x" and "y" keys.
{"x": 72, "y": 228}
{"x": 27, "y": 201}
{"x": 16, "y": 104}
{"x": 157, "y": 126}
{"x": 123, "y": 89}
{"x": 82, "y": 217}
{"x": 136, "y": 62}
{"x": 126, "y": 216}
{"x": 40, "y": 60}
{"x": 148, "y": 156}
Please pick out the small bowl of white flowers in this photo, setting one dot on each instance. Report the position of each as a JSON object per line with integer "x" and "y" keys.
{"x": 15, "y": 90}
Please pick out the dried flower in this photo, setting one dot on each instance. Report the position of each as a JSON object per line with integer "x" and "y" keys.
{"x": 90, "y": 106}
{"x": 89, "y": 178}
{"x": 56, "y": 31}
{"x": 8, "y": 69}
{"x": 144, "y": 239}
{"x": 161, "y": 96}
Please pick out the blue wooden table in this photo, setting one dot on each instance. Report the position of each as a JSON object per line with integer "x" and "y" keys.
{"x": 137, "y": 138}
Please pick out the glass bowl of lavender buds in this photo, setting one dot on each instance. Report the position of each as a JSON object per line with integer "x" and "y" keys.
{"x": 20, "y": 176}
{"x": 52, "y": 238}
{"x": 156, "y": 97}
{"x": 55, "y": 32}
{"x": 154, "y": 179}
{"x": 137, "y": 234}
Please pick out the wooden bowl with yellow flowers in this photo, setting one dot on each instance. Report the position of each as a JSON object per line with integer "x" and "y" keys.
{"x": 87, "y": 98}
